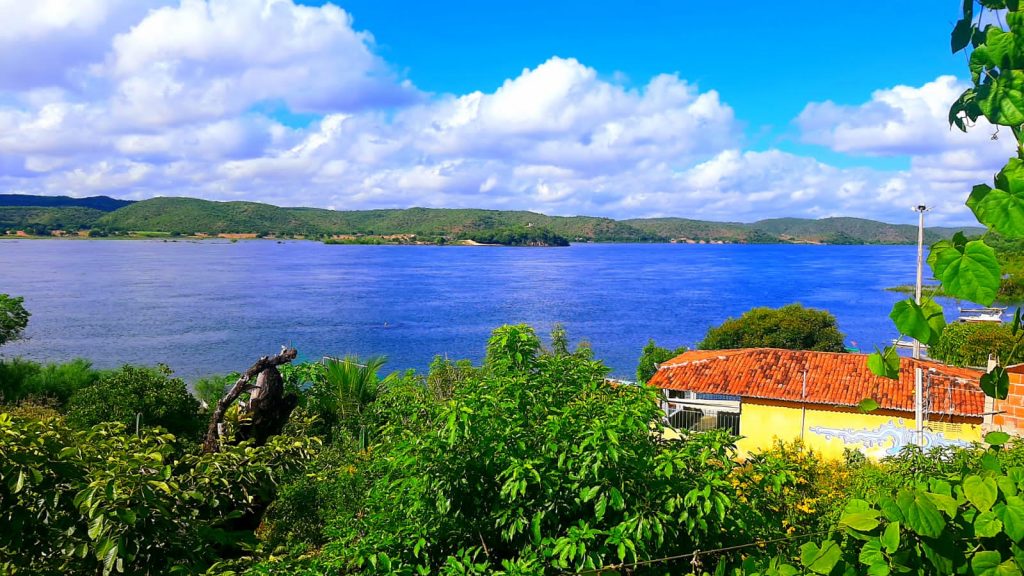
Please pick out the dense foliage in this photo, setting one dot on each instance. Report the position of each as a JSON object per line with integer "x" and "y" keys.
{"x": 971, "y": 343}
{"x": 517, "y": 236}
{"x": 103, "y": 500}
{"x": 48, "y": 384}
{"x": 13, "y": 317}
{"x": 132, "y": 396}
{"x": 793, "y": 327}
{"x": 650, "y": 357}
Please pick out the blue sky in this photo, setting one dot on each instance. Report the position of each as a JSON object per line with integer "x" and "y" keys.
{"x": 619, "y": 109}
{"x": 766, "y": 59}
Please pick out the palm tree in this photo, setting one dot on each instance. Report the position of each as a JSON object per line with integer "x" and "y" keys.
{"x": 349, "y": 386}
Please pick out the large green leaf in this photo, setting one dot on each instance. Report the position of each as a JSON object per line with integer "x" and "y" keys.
{"x": 982, "y": 492}
{"x": 923, "y": 322}
{"x": 961, "y": 35}
{"x": 921, "y": 515}
{"x": 1002, "y": 207}
{"x": 891, "y": 537}
{"x": 996, "y": 383}
{"x": 987, "y": 525}
{"x": 969, "y": 271}
{"x": 1002, "y": 50}
{"x": 863, "y": 521}
{"x": 1002, "y": 99}
{"x": 885, "y": 363}
{"x": 1013, "y": 521}
{"x": 990, "y": 563}
{"x": 997, "y": 438}
{"x": 820, "y": 560}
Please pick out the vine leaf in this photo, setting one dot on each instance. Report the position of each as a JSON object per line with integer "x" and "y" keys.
{"x": 982, "y": 492}
{"x": 1002, "y": 99}
{"x": 996, "y": 438}
{"x": 987, "y": 525}
{"x": 1002, "y": 207}
{"x": 1000, "y": 51}
{"x": 885, "y": 363}
{"x": 961, "y": 36}
{"x": 921, "y": 515}
{"x": 868, "y": 405}
{"x": 967, "y": 270}
{"x": 923, "y": 322}
{"x": 820, "y": 560}
{"x": 989, "y": 563}
{"x": 996, "y": 383}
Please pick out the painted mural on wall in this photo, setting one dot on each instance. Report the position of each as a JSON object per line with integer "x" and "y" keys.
{"x": 885, "y": 440}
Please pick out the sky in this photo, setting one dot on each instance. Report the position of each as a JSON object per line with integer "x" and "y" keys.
{"x": 617, "y": 109}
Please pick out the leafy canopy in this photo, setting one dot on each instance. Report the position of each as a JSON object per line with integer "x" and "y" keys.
{"x": 791, "y": 327}
{"x": 13, "y": 317}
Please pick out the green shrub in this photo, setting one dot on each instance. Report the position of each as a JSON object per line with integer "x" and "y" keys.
{"x": 132, "y": 394}
{"x": 211, "y": 389}
{"x": 104, "y": 500}
{"x": 651, "y": 356}
{"x": 15, "y": 375}
{"x": 791, "y": 327}
{"x": 970, "y": 343}
{"x": 535, "y": 463}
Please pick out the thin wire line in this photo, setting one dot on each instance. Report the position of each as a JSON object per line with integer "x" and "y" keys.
{"x": 697, "y": 553}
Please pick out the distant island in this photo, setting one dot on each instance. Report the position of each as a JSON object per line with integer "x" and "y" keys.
{"x": 100, "y": 216}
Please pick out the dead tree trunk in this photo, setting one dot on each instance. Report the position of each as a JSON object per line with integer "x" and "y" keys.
{"x": 268, "y": 408}
{"x": 265, "y": 365}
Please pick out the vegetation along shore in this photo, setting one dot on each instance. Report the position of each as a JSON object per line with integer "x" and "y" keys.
{"x": 189, "y": 217}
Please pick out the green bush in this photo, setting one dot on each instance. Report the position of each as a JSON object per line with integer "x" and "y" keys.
{"x": 53, "y": 383}
{"x": 791, "y": 327}
{"x": 535, "y": 463}
{"x": 651, "y": 356}
{"x": 970, "y": 343}
{"x": 132, "y": 394}
{"x": 104, "y": 500}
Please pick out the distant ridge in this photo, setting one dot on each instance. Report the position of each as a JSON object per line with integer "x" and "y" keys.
{"x": 186, "y": 216}
{"x": 103, "y": 203}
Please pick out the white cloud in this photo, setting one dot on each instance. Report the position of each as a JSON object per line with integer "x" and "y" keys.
{"x": 170, "y": 98}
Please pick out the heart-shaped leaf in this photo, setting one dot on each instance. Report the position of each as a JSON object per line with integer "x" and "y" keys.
{"x": 970, "y": 272}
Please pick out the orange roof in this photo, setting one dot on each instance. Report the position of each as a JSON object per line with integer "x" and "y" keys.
{"x": 832, "y": 378}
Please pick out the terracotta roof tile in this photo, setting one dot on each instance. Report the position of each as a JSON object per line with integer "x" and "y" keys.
{"x": 832, "y": 378}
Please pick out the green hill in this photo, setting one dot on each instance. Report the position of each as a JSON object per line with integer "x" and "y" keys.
{"x": 192, "y": 216}
{"x": 41, "y": 220}
{"x": 104, "y": 203}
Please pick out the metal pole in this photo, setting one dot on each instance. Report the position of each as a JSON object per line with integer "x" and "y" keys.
{"x": 918, "y": 387}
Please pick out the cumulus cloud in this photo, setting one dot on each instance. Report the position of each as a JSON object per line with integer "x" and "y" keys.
{"x": 171, "y": 97}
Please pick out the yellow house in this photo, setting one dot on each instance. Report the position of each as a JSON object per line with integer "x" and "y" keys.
{"x": 764, "y": 394}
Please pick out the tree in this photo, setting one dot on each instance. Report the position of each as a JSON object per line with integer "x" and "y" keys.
{"x": 971, "y": 343}
{"x": 13, "y": 317}
{"x": 792, "y": 327}
{"x": 341, "y": 396}
{"x": 147, "y": 395}
{"x": 651, "y": 356}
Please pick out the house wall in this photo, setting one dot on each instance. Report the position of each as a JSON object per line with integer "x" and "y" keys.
{"x": 829, "y": 431}
{"x": 1009, "y": 415}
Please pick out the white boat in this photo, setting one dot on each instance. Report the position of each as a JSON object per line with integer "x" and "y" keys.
{"x": 981, "y": 315}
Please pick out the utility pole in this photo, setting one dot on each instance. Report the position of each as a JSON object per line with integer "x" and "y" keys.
{"x": 918, "y": 377}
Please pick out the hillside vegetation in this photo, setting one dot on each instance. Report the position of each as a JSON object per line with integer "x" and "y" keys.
{"x": 188, "y": 216}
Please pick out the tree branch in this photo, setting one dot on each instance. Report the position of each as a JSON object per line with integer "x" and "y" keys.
{"x": 212, "y": 441}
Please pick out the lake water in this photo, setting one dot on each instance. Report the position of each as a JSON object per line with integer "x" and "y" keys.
{"x": 214, "y": 307}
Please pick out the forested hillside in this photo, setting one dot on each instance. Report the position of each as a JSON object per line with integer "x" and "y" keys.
{"x": 187, "y": 216}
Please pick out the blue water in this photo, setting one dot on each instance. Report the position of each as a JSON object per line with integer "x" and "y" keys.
{"x": 214, "y": 307}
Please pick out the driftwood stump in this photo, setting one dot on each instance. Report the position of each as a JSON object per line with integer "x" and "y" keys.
{"x": 269, "y": 406}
